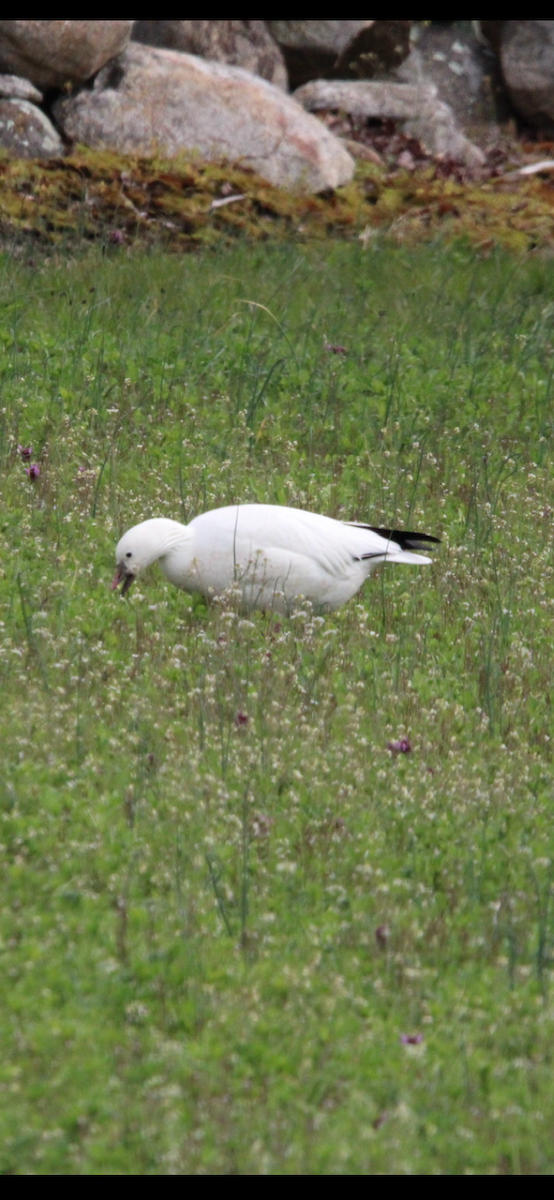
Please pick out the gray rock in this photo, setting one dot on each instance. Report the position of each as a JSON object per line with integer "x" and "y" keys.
{"x": 13, "y": 87}
{"x": 25, "y": 131}
{"x": 311, "y": 48}
{"x": 54, "y": 53}
{"x": 463, "y": 68}
{"x": 527, "y": 60}
{"x": 164, "y": 102}
{"x": 416, "y": 108}
{"x": 375, "y": 50}
{"x": 340, "y": 49}
{"x": 246, "y": 44}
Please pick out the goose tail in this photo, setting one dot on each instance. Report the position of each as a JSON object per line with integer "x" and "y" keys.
{"x": 406, "y": 556}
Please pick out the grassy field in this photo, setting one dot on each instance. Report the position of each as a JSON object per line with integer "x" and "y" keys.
{"x": 239, "y": 934}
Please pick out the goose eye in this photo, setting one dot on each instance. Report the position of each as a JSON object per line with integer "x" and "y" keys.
{"x": 128, "y": 554}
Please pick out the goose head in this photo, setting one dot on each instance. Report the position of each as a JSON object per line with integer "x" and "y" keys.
{"x": 143, "y": 545}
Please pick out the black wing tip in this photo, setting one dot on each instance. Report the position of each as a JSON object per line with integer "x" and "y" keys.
{"x": 406, "y": 539}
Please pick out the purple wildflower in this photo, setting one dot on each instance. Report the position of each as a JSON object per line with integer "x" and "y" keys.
{"x": 411, "y": 1039}
{"x": 400, "y": 746}
{"x": 33, "y": 471}
{"x": 25, "y": 452}
{"x": 241, "y": 719}
{"x": 382, "y": 934}
{"x": 334, "y": 348}
{"x": 117, "y": 237}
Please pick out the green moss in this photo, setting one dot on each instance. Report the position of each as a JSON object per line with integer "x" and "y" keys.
{"x": 92, "y": 194}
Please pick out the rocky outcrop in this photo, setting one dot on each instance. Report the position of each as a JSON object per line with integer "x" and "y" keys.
{"x": 340, "y": 49}
{"x": 311, "y": 48}
{"x": 13, "y": 87}
{"x": 526, "y": 50}
{"x": 246, "y": 44}
{"x": 217, "y": 88}
{"x": 53, "y": 53}
{"x": 163, "y": 102}
{"x": 416, "y": 108}
{"x": 26, "y": 132}
{"x": 375, "y": 51}
{"x": 463, "y": 68}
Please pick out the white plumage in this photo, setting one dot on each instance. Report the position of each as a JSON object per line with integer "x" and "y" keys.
{"x": 276, "y": 555}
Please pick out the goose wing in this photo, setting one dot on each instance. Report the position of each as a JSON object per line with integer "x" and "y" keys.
{"x": 332, "y": 545}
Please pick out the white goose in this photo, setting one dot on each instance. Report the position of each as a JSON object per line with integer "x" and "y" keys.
{"x": 276, "y": 555}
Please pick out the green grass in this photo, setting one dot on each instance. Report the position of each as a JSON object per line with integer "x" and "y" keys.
{"x": 224, "y": 900}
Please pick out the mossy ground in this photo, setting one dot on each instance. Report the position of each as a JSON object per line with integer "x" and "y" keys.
{"x": 99, "y": 196}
